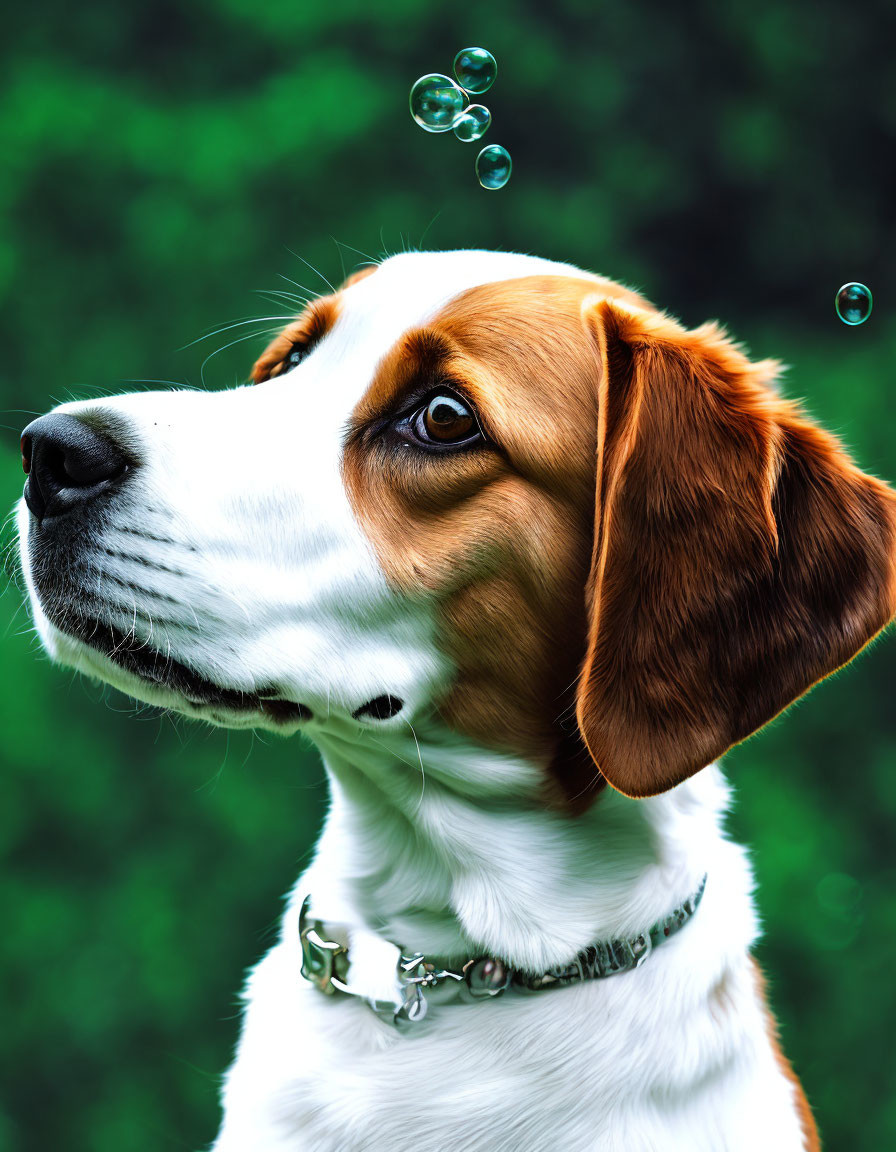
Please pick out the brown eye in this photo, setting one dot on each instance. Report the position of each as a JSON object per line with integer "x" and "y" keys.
{"x": 446, "y": 420}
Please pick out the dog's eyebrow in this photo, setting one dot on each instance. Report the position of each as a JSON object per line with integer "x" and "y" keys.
{"x": 307, "y": 329}
{"x": 420, "y": 355}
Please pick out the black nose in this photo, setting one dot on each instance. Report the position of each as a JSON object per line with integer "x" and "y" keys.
{"x": 67, "y": 463}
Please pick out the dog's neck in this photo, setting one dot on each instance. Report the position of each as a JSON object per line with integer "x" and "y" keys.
{"x": 447, "y": 848}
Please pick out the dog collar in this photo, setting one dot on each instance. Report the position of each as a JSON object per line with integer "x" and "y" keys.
{"x": 325, "y": 962}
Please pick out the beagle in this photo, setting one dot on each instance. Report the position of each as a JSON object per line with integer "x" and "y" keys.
{"x": 523, "y": 557}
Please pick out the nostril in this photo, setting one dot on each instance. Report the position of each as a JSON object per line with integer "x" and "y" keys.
{"x": 26, "y": 454}
{"x": 52, "y": 463}
{"x": 379, "y": 708}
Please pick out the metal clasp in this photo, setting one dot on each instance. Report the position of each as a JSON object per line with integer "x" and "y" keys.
{"x": 324, "y": 962}
{"x": 415, "y": 974}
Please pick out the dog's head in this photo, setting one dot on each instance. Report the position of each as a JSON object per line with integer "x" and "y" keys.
{"x": 476, "y": 492}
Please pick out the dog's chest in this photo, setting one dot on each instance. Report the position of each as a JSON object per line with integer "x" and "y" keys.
{"x": 602, "y": 1065}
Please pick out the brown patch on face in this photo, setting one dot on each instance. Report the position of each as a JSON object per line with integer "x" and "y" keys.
{"x": 650, "y": 534}
{"x": 499, "y": 535}
{"x": 811, "y": 1141}
{"x": 305, "y": 331}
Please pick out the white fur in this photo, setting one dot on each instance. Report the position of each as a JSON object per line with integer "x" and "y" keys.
{"x": 258, "y": 574}
{"x": 673, "y": 1056}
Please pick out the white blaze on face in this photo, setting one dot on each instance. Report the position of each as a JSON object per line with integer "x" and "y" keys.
{"x": 233, "y": 547}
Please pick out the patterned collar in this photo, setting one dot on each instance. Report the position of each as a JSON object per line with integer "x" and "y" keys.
{"x": 325, "y": 963}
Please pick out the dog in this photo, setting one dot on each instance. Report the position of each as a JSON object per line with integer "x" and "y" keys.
{"x": 523, "y": 557}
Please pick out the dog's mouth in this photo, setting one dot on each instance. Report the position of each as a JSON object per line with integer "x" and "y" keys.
{"x": 162, "y": 671}
{"x": 80, "y": 611}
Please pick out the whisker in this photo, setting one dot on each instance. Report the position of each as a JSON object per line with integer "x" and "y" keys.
{"x": 341, "y": 260}
{"x": 14, "y": 619}
{"x": 351, "y": 248}
{"x": 289, "y": 299}
{"x": 301, "y": 287}
{"x": 316, "y": 271}
{"x": 239, "y": 340}
{"x": 279, "y": 295}
{"x": 116, "y": 555}
{"x": 230, "y": 326}
{"x": 93, "y": 392}
{"x": 149, "y": 536}
{"x": 427, "y": 228}
{"x": 303, "y": 297}
{"x": 113, "y": 606}
{"x": 138, "y": 588}
{"x": 420, "y": 758}
{"x": 174, "y": 383}
{"x": 98, "y": 600}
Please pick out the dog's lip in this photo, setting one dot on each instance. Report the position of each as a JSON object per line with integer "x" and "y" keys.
{"x": 154, "y": 667}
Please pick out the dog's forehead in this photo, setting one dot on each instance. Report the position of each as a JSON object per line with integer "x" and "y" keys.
{"x": 410, "y": 290}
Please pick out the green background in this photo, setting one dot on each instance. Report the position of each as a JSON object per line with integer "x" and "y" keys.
{"x": 159, "y": 162}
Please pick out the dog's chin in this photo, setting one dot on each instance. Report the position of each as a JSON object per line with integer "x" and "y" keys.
{"x": 150, "y": 676}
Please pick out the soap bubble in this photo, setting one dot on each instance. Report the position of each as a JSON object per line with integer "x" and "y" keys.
{"x": 436, "y": 102}
{"x": 475, "y": 69}
{"x": 853, "y": 303}
{"x": 493, "y": 166}
{"x": 473, "y": 123}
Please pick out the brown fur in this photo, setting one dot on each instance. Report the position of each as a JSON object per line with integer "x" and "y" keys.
{"x": 361, "y": 274}
{"x": 811, "y": 1140}
{"x": 499, "y": 537}
{"x": 307, "y": 329}
{"x": 739, "y": 555}
{"x": 313, "y": 324}
{"x": 651, "y": 522}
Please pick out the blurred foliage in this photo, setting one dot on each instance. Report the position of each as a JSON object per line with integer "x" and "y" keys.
{"x": 162, "y": 161}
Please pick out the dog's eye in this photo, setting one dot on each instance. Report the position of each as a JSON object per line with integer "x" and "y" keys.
{"x": 297, "y": 354}
{"x": 446, "y": 419}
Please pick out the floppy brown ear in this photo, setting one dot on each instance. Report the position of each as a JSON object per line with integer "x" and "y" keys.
{"x": 739, "y": 555}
